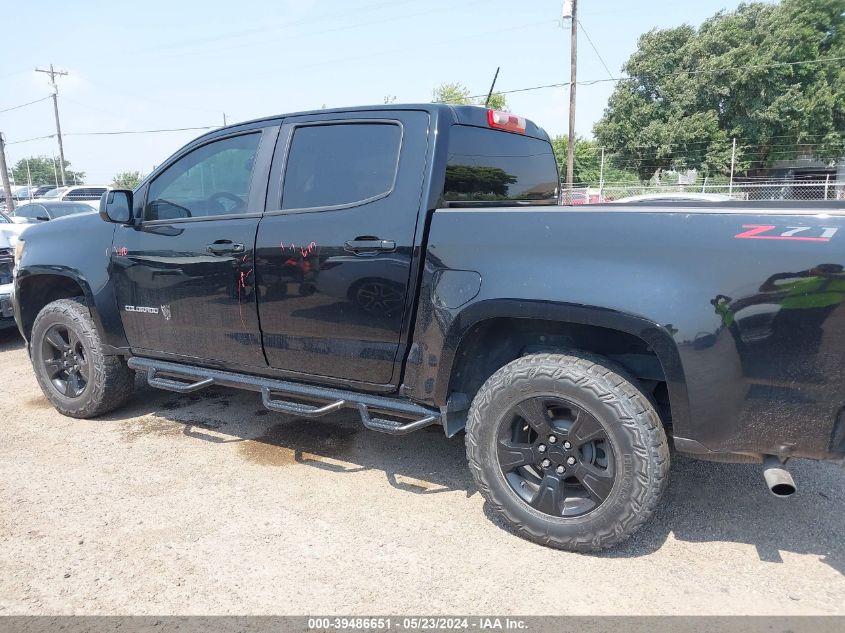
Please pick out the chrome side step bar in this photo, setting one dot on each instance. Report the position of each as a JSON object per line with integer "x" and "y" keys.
{"x": 188, "y": 378}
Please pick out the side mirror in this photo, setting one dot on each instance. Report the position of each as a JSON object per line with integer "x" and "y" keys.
{"x": 116, "y": 206}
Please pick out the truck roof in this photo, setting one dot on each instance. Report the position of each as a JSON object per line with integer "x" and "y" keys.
{"x": 461, "y": 114}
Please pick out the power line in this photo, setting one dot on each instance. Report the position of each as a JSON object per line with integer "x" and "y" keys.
{"x": 595, "y": 50}
{"x": 23, "y": 105}
{"x": 118, "y": 132}
{"x": 27, "y": 140}
{"x": 699, "y": 71}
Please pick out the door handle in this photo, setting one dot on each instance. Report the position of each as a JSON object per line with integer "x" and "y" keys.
{"x": 221, "y": 247}
{"x": 369, "y": 245}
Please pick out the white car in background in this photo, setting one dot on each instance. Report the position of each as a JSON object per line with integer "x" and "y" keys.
{"x": 89, "y": 194}
{"x": 680, "y": 196}
{"x": 9, "y": 235}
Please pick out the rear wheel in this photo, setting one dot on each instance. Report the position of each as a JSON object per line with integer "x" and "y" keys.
{"x": 75, "y": 373}
{"x": 567, "y": 450}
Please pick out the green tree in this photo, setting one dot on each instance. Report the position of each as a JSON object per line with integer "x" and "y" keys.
{"x": 43, "y": 171}
{"x": 691, "y": 90}
{"x": 458, "y": 94}
{"x": 127, "y": 179}
{"x": 588, "y": 162}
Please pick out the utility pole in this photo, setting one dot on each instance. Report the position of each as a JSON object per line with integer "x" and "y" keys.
{"x": 570, "y": 10}
{"x": 4, "y": 174}
{"x": 53, "y": 74}
{"x": 224, "y": 120}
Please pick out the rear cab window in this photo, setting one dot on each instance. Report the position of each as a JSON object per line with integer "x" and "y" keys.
{"x": 487, "y": 167}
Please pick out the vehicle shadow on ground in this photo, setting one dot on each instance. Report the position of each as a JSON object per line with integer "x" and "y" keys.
{"x": 704, "y": 501}
{"x": 708, "y": 501}
{"x": 425, "y": 462}
{"x": 10, "y": 339}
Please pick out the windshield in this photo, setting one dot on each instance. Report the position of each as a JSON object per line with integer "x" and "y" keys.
{"x": 70, "y": 208}
{"x": 55, "y": 193}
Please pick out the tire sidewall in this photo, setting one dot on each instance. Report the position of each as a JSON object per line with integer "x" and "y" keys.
{"x": 622, "y": 440}
{"x": 44, "y": 322}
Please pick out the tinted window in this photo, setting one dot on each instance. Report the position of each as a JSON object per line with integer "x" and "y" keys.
{"x": 341, "y": 164}
{"x": 211, "y": 180}
{"x": 31, "y": 211}
{"x": 86, "y": 193}
{"x": 61, "y": 210}
{"x": 55, "y": 193}
{"x": 489, "y": 166}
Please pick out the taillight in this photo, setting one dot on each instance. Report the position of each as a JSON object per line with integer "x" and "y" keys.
{"x": 506, "y": 121}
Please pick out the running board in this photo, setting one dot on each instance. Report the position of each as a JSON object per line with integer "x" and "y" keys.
{"x": 188, "y": 378}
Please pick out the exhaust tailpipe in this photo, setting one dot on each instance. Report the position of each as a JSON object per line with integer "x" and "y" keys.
{"x": 777, "y": 478}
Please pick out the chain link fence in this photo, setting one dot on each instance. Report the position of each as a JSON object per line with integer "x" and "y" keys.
{"x": 827, "y": 189}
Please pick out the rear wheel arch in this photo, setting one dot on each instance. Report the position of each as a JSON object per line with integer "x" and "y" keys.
{"x": 481, "y": 341}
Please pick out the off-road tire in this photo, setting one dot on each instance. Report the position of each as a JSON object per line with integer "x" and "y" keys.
{"x": 636, "y": 434}
{"x": 110, "y": 382}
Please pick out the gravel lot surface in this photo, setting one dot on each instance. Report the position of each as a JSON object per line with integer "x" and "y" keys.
{"x": 209, "y": 504}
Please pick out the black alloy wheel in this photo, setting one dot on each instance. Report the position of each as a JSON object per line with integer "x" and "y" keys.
{"x": 568, "y": 449}
{"x": 65, "y": 360}
{"x": 556, "y": 456}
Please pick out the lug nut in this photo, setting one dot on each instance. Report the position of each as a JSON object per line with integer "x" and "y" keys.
{"x": 560, "y": 470}
{"x": 567, "y": 445}
{"x": 546, "y": 463}
{"x": 542, "y": 448}
{"x": 552, "y": 439}
{"x": 570, "y": 460}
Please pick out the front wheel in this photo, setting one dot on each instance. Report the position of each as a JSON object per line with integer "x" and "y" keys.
{"x": 567, "y": 450}
{"x": 73, "y": 369}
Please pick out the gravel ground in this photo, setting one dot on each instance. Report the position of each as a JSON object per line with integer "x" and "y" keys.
{"x": 209, "y": 504}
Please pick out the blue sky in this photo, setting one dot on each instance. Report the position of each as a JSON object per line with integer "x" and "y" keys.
{"x": 168, "y": 64}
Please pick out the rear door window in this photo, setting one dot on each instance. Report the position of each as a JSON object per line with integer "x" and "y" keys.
{"x": 492, "y": 167}
{"x": 342, "y": 164}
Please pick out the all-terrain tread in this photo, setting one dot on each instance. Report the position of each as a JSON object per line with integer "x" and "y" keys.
{"x": 635, "y": 413}
{"x": 112, "y": 382}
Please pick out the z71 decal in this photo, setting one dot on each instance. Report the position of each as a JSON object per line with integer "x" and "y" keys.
{"x": 796, "y": 233}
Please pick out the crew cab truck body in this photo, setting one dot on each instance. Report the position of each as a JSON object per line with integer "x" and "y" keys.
{"x": 412, "y": 262}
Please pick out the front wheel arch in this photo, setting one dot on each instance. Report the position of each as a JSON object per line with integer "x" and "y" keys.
{"x": 35, "y": 291}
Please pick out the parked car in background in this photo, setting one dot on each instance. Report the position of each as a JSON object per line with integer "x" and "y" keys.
{"x": 9, "y": 233}
{"x": 33, "y": 212}
{"x": 20, "y": 192}
{"x": 28, "y": 192}
{"x": 41, "y": 190}
{"x": 678, "y": 196}
{"x": 76, "y": 193}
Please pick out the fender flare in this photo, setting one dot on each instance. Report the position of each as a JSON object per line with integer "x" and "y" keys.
{"x": 656, "y": 336}
{"x": 103, "y": 319}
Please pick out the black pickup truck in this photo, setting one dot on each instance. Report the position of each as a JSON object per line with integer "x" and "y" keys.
{"x": 412, "y": 262}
